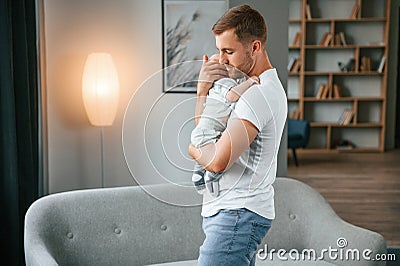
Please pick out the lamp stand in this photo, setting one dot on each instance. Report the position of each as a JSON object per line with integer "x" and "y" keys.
{"x": 103, "y": 180}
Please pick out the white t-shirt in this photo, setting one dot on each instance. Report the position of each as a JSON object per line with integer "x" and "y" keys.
{"x": 248, "y": 182}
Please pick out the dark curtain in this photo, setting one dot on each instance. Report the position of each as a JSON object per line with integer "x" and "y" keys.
{"x": 397, "y": 131}
{"x": 18, "y": 123}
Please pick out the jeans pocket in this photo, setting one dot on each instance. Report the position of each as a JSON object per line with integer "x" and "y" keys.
{"x": 266, "y": 224}
{"x": 258, "y": 232}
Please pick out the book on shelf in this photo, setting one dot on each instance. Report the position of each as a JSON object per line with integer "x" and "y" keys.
{"x": 349, "y": 117}
{"x": 323, "y": 91}
{"x": 297, "y": 39}
{"x": 326, "y": 39}
{"x": 296, "y": 66}
{"x": 342, "y": 117}
{"x": 343, "y": 145}
{"x": 308, "y": 12}
{"x": 337, "y": 91}
{"x": 320, "y": 91}
{"x": 365, "y": 63}
{"x": 354, "y": 11}
{"x": 291, "y": 62}
{"x": 336, "y": 40}
{"x": 346, "y": 117}
{"x": 382, "y": 64}
{"x": 342, "y": 38}
{"x": 326, "y": 92}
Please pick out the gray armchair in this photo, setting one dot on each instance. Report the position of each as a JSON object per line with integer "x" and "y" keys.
{"x": 126, "y": 226}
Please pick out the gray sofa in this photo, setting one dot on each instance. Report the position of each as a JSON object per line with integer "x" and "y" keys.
{"x": 127, "y": 226}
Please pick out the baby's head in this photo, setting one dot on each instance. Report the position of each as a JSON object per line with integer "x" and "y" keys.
{"x": 232, "y": 71}
{"x": 214, "y": 57}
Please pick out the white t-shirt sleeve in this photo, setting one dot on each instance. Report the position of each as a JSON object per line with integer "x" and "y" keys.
{"x": 253, "y": 107}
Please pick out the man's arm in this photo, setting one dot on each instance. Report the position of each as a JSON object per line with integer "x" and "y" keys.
{"x": 210, "y": 71}
{"x": 234, "y": 141}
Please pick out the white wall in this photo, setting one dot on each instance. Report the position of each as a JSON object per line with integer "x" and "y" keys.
{"x": 131, "y": 31}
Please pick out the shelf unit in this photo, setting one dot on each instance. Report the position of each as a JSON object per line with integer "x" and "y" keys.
{"x": 363, "y": 85}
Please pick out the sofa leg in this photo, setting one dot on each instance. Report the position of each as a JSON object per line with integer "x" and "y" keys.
{"x": 295, "y": 157}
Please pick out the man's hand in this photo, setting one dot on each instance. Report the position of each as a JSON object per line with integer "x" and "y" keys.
{"x": 196, "y": 154}
{"x": 211, "y": 70}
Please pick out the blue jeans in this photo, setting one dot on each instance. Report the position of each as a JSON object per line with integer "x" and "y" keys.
{"x": 232, "y": 237}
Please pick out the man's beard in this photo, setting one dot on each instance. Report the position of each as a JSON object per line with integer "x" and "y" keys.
{"x": 248, "y": 63}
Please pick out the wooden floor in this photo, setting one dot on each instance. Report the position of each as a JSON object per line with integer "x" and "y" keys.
{"x": 363, "y": 188}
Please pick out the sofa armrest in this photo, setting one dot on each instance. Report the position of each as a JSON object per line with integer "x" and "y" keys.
{"x": 347, "y": 243}
{"x": 38, "y": 255}
{"x": 305, "y": 221}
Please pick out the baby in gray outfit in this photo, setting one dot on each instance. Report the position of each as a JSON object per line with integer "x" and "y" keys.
{"x": 220, "y": 102}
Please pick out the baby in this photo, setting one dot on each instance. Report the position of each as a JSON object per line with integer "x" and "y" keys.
{"x": 220, "y": 101}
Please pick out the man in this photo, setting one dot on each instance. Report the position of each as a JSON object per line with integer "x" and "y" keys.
{"x": 237, "y": 219}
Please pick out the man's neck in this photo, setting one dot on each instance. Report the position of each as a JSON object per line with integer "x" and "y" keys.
{"x": 262, "y": 64}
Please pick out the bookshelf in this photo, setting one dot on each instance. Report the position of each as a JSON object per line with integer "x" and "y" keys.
{"x": 324, "y": 36}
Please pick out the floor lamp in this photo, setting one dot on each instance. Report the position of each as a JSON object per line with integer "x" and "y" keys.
{"x": 100, "y": 93}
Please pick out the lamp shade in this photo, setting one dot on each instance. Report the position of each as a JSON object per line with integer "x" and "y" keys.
{"x": 100, "y": 89}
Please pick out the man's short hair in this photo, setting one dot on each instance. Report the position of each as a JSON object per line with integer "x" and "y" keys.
{"x": 248, "y": 23}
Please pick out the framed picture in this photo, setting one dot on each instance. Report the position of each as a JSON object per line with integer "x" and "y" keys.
{"x": 187, "y": 37}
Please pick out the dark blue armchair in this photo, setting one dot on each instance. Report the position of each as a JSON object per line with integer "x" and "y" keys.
{"x": 298, "y": 135}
